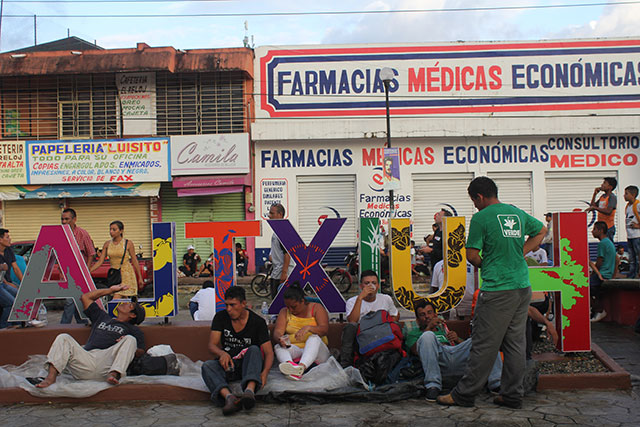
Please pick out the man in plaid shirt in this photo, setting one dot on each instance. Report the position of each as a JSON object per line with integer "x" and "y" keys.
{"x": 88, "y": 251}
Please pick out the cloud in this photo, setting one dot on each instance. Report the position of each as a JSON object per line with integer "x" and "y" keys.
{"x": 615, "y": 21}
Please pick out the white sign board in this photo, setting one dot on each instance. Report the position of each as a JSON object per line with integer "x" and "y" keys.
{"x": 210, "y": 154}
{"x": 137, "y": 93}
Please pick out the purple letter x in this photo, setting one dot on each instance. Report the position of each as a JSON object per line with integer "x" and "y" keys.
{"x": 308, "y": 258}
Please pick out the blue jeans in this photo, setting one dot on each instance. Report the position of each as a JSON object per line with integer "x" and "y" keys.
{"x": 70, "y": 312}
{"x": 633, "y": 246}
{"x": 438, "y": 359}
{"x": 7, "y": 297}
{"x": 247, "y": 369}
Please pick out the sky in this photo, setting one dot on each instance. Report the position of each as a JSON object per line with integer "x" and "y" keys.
{"x": 606, "y": 19}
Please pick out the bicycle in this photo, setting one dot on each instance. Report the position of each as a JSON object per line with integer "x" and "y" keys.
{"x": 261, "y": 283}
{"x": 341, "y": 277}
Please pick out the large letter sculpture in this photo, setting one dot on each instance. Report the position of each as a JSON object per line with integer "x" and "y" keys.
{"x": 54, "y": 243}
{"x": 569, "y": 276}
{"x": 308, "y": 269}
{"x": 223, "y": 250}
{"x": 165, "y": 280}
{"x": 455, "y": 267}
{"x": 370, "y": 237}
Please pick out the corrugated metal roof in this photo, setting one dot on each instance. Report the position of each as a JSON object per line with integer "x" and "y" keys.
{"x": 142, "y": 58}
{"x": 68, "y": 43}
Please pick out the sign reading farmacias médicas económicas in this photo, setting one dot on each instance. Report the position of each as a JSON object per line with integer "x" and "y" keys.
{"x": 448, "y": 78}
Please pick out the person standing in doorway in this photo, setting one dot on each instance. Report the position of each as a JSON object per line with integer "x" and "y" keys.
{"x": 88, "y": 251}
{"x": 632, "y": 214}
{"x": 498, "y": 230}
{"x": 280, "y": 258}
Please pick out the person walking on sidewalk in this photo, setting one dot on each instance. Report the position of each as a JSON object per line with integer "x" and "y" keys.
{"x": 88, "y": 251}
{"x": 498, "y": 230}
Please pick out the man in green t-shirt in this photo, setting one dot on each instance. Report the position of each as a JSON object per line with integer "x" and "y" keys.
{"x": 602, "y": 269}
{"x": 441, "y": 351}
{"x": 498, "y": 230}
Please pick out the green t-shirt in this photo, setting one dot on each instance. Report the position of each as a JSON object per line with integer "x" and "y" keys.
{"x": 607, "y": 251}
{"x": 412, "y": 334}
{"x": 499, "y": 231}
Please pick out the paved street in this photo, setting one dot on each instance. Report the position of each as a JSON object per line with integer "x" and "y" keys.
{"x": 596, "y": 408}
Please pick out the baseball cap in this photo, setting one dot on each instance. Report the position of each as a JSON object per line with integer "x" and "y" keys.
{"x": 140, "y": 314}
{"x": 190, "y": 247}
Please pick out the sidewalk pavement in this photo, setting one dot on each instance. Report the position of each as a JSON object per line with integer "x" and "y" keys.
{"x": 581, "y": 407}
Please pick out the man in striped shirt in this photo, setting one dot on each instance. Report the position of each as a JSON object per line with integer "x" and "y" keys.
{"x": 88, "y": 251}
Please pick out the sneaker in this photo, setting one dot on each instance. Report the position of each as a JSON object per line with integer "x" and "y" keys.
{"x": 432, "y": 394}
{"x": 507, "y": 403}
{"x": 599, "y": 316}
{"x": 231, "y": 405}
{"x": 447, "y": 400}
{"x": 291, "y": 369}
{"x": 248, "y": 399}
{"x": 294, "y": 377}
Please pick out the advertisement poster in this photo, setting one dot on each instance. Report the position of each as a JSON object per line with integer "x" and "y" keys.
{"x": 91, "y": 161}
{"x": 137, "y": 93}
{"x": 12, "y": 163}
{"x": 391, "y": 169}
{"x": 210, "y": 154}
{"x": 273, "y": 190}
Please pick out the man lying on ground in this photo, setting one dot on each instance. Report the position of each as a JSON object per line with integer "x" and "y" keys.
{"x": 111, "y": 346}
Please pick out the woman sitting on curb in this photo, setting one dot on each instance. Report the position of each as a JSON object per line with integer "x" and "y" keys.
{"x": 298, "y": 331}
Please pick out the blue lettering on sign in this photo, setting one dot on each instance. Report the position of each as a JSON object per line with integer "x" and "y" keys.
{"x": 306, "y": 158}
{"x": 577, "y": 74}
{"x": 327, "y": 82}
{"x": 496, "y": 154}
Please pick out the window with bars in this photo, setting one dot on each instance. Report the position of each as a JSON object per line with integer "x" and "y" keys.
{"x": 200, "y": 103}
{"x": 58, "y": 107}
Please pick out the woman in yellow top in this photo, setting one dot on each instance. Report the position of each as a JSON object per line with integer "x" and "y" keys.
{"x": 298, "y": 331}
{"x": 114, "y": 248}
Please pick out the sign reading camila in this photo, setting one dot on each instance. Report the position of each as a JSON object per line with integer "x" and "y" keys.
{"x": 450, "y": 78}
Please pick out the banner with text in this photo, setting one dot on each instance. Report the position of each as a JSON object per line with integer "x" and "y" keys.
{"x": 89, "y": 161}
{"x": 12, "y": 163}
{"x": 137, "y": 92}
{"x": 210, "y": 154}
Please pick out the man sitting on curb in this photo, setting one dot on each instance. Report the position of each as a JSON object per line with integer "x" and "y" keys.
{"x": 237, "y": 337}
{"x": 111, "y": 347}
{"x": 441, "y": 350}
{"x": 367, "y": 301}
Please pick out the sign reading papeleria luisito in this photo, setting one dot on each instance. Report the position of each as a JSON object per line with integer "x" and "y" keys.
{"x": 568, "y": 276}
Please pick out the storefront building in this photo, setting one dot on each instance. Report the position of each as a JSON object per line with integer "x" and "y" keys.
{"x": 546, "y": 120}
{"x": 95, "y": 130}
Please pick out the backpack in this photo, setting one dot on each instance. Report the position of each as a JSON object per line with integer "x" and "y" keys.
{"x": 377, "y": 331}
{"x": 376, "y": 368}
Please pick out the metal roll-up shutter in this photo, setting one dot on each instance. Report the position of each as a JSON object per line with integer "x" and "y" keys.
{"x": 514, "y": 188}
{"x": 229, "y": 207}
{"x": 572, "y": 190}
{"x": 23, "y": 218}
{"x": 435, "y": 191}
{"x": 96, "y": 213}
{"x": 332, "y": 196}
{"x": 180, "y": 210}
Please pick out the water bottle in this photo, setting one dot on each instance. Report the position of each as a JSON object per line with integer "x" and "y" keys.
{"x": 265, "y": 310}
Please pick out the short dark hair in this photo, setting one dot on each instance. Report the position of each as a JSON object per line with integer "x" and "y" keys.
{"x": 612, "y": 182}
{"x": 3, "y": 231}
{"x": 207, "y": 284}
{"x": 422, "y": 303}
{"x": 633, "y": 190}
{"x": 602, "y": 226}
{"x": 238, "y": 245}
{"x": 368, "y": 273}
{"x": 235, "y": 292}
{"x": 447, "y": 212}
{"x": 294, "y": 292}
{"x": 71, "y": 211}
{"x": 279, "y": 208}
{"x": 482, "y": 185}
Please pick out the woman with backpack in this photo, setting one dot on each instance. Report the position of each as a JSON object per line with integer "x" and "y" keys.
{"x": 300, "y": 333}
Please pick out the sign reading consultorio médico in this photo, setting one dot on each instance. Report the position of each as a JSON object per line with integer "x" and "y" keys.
{"x": 115, "y": 161}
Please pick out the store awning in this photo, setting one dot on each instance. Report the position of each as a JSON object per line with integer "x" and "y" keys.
{"x": 205, "y": 185}
{"x": 60, "y": 191}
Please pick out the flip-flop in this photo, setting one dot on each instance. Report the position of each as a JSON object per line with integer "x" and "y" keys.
{"x": 35, "y": 380}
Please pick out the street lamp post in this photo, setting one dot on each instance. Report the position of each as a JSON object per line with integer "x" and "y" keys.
{"x": 386, "y": 74}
